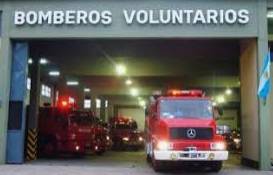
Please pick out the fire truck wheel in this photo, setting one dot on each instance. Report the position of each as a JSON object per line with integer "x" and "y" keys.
{"x": 157, "y": 165}
{"x": 216, "y": 166}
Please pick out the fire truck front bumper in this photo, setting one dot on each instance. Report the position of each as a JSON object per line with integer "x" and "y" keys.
{"x": 191, "y": 155}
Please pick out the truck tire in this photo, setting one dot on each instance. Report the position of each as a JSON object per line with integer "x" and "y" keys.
{"x": 216, "y": 166}
{"x": 157, "y": 165}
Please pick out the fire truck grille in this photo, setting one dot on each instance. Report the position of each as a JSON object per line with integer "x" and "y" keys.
{"x": 191, "y": 133}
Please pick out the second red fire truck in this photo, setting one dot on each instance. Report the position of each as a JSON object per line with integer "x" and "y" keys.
{"x": 180, "y": 127}
{"x": 64, "y": 130}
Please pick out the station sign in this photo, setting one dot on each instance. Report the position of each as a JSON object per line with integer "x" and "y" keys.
{"x": 131, "y": 17}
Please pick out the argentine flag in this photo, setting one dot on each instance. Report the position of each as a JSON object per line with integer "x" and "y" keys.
{"x": 264, "y": 85}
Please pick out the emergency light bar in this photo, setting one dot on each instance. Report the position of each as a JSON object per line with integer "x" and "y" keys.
{"x": 185, "y": 93}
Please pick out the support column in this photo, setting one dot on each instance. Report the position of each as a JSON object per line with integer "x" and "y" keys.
{"x": 249, "y": 103}
{"x": 35, "y": 93}
{"x": 102, "y": 110}
{"x": 264, "y": 109}
{"x": 17, "y": 104}
{"x": 5, "y": 69}
{"x": 93, "y": 104}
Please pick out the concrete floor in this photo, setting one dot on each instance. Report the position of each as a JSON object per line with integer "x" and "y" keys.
{"x": 112, "y": 163}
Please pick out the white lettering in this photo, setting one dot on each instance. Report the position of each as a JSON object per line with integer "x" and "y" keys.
{"x": 199, "y": 17}
{"x": 188, "y": 15}
{"x": 82, "y": 17}
{"x": 243, "y": 16}
{"x": 142, "y": 17}
{"x": 58, "y": 17}
{"x": 70, "y": 17}
{"x": 212, "y": 16}
{"x": 177, "y": 17}
{"x": 94, "y": 17}
{"x": 31, "y": 17}
{"x": 19, "y": 18}
{"x": 106, "y": 17}
{"x": 129, "y": 17}
{"x": 165, "y": 16}
{"x": 152, "y": 18}
{"x": 230, "y": 16}
{"x": 45, "y": 16}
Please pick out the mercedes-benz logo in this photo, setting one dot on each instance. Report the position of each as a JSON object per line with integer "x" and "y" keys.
{"x": 191, "y": 133}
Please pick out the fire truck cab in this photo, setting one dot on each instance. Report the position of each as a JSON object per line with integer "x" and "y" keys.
{"x": 181, "y": 127}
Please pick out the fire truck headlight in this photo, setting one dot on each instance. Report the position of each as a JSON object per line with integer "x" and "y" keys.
{"x": 163, "y": 145}
{"x": 107, "y": 138}
{"x": 140, "y": 139}
{"x": 77, "y": 148}
{"x": 236, "y": 140}
{"x": 219, "y": 146}
{"x": 125, "y": 139}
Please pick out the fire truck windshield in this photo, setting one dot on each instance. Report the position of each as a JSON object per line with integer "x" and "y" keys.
{"x": 185, "y": 109}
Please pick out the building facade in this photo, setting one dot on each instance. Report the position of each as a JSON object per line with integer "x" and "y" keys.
{"x": 243, "y": 20}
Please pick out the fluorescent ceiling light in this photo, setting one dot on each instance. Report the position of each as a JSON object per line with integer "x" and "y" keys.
{"x": 270, "y": 14}
{"x": 86, "y": 89}
{"x": 134, "y": 92}
{"x": 72, "y": 83}
{"x": 43, "y": 61}
{"x": 220, "y": 99}
{"x": 120, "y": 69}
{"x": 128, "y": 82}
{"x": 30, "y": 61}
{"x": 228, "y": 91}
{"x": 54, "y": 73}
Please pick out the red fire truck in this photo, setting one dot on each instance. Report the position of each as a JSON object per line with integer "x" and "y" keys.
{"x": 63, "y": 130}
{"x": 181, "y": 127}
{"x": 124, "y": 133}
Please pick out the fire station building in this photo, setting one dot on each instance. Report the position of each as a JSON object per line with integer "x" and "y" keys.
{"x": 207, "y": 36}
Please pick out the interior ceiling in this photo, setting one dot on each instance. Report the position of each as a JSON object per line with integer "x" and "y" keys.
{"x": 152, "y": 64}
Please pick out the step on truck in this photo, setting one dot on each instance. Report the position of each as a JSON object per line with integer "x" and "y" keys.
{"x": 180, "y": 127}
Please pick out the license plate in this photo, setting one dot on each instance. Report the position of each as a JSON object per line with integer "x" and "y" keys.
{"x": 193, "y": 155}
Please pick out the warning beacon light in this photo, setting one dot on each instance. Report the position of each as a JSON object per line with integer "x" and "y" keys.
{"x": 66, "y": 102}
{"x": 185, "y": 93}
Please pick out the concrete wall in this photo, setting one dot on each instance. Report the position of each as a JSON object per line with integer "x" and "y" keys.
{"x": 249, "y": 101}
{"x": 230, "y": 118}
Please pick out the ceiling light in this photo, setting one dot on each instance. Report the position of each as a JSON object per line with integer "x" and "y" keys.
{"x": 87, "y": 90}
{"x": 142, "y": 103}
{"x": 134, "y": 92}
{"x": 72, "y": 83}
{"x": 43, "y": 61}
{"x": 30, "y": 61}
{"x": 120, "y": 69}
{"x": 54, "y": 73}
{"x": 270, "y": 14}
{"x": 228, "y": 91}
{"x": 220, "y": 99}
{"x": 128, "y": 82}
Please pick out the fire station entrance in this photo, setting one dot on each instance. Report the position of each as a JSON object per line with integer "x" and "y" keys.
{"x": 117, "y": 77}
{"x": 106, "y": 59}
